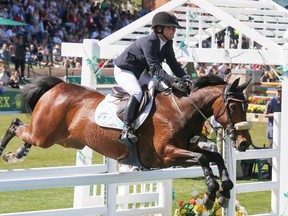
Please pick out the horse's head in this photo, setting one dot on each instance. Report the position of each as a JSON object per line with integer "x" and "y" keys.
{"x": 232, "y": 116}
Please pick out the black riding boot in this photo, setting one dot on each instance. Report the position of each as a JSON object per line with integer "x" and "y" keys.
{"x": 127, "y": 135}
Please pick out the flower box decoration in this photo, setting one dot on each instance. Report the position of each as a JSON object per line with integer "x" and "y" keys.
{"x": 195, "y": 207}
{"x": 257, "y": 104}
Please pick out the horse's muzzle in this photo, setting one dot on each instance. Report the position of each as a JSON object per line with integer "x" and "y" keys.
{"x": 243, "y": 128}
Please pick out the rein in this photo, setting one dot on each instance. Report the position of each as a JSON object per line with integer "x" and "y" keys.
{"x": 203, "y": 115}
{"x": 227, "y": 97}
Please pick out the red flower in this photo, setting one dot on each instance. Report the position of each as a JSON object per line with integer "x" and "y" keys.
{"x": 192, "y": 202}
{"x": 181, "y": 203}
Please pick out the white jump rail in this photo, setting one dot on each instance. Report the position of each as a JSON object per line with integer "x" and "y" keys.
{"x": 65, "y": 177}
{"x": 74, "y": 179}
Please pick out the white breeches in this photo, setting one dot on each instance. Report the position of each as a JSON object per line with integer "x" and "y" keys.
{"x": 128, "y": 81}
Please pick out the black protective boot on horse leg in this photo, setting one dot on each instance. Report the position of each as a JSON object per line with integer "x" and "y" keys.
{"x": 127, "y": 136}
{"x": 213, "y": 187}
{"x": 10, "y": 133}
{"x": 227, "y": 186}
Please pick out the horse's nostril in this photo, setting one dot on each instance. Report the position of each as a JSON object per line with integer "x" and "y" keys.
{"x": 243, "y": 146}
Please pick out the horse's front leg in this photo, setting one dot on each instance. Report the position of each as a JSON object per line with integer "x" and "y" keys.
{"x": 226, "y": 183}
{"x": 19, "y": 155}
{"x": 10, "y": 133}
{"x": 22, "y": 152}
{"x": 185, "y": 158}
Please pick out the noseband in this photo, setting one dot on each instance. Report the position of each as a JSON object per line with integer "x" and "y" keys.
{"x": 239, "y": 97}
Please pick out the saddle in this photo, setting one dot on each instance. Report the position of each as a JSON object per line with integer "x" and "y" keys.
{"x": 110, "y": 111}
{"x": 123, "y": 97}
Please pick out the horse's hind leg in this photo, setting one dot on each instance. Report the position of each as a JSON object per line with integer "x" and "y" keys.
{"x": 19, "y": 155}
{"x": 10, "y": 133}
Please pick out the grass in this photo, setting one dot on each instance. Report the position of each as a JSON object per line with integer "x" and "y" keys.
{"x": 18, "y": 201}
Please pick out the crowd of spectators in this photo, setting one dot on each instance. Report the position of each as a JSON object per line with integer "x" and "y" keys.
{"x": 50, "y": 22}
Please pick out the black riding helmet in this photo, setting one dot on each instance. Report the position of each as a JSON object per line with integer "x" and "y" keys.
{"x": 165, "y": 19}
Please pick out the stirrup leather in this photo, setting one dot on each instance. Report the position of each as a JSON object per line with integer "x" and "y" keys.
{"x": 127, "y": 136}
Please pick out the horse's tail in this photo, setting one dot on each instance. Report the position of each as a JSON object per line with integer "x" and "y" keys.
{"x": 34, "y": 90}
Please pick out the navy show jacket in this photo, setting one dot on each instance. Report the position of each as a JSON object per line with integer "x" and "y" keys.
{"x": 144, "y": 54}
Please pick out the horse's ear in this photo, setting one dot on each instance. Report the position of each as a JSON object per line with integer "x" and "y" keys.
{"x": 235, "y": 83}
{"x": 244, "y": 85}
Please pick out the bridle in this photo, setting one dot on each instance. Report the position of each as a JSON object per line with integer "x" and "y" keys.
{"x": 229, "y": 96}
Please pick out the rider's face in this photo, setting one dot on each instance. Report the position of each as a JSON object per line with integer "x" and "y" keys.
{"x": 169, "y": 32}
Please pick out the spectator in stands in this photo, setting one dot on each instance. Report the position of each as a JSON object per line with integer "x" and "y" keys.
{"x": 222, "y": 68}
{"x": 81, "y": 17}
{"x": 214, "y": 70}
{"x": 40, "y": 55}
{"x": 32, "y": 54}
{"x": 200, "y": 71}
{"x": 12, "y": 53}
{"x": 14, "y": 80}
{"x": 227, "y": 74}
{"x": 273, "y": 105}
{"x": 56, "y": 53}
{"x": 11, "y": 33}
{"x": 20, "y": 55}
{"x": 3, "y": 36}
{"x": 4, "y": 78}
{"x": 5, "y": 56}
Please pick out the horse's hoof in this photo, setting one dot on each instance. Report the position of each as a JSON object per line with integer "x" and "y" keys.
{"x": 10, "y": 157}
{"x": 7, "y": 156}
{"x": 223, "y": 201}
{"x": 208, "y": 202}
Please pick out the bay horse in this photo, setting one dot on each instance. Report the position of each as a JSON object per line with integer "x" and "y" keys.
{"x": 63, "y": 113}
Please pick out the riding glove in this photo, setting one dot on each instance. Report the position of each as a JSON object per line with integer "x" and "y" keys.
{"x": 186, "y": 77}
{"x": 180, "y": 86}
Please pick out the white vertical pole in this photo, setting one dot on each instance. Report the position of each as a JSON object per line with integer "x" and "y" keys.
{"x": 213, "y": 43}
{"x": 84, "y": 156}
{"x": 239, "y": 46}
{"x": 187, "y": 24}
{"x": 165, "y": 189}
{"x": 90, "y": 49}
{"x": 283, "y": 171}
{"x": 200, "y": 30}
{"x": 230, "y": 162}
{"x": 123, "y": 189}
{"x": 82, "y": 193}
{"x": 111, "y": 189}
{"x": 276, "y": 164}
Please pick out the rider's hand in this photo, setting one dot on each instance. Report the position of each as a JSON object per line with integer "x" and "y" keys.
{"x": 181, "y": 86}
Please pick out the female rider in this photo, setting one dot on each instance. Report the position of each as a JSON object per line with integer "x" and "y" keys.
{"x": 147, "y": 53}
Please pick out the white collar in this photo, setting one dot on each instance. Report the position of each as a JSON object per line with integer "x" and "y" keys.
{"x": 162, "y": 43}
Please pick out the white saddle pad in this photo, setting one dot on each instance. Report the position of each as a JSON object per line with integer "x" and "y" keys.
{"x": 105, "y": 114}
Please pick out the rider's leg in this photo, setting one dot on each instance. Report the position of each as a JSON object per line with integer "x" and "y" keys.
{"x": 123, "y": 77}
{"x": 129, "y": 116}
